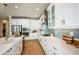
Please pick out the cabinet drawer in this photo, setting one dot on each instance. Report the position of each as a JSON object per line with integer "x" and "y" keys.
{"x": 11, "y": 51}
{"x": 19, "y": 48}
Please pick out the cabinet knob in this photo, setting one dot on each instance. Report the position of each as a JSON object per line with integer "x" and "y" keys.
{"x": 55, "y": 48}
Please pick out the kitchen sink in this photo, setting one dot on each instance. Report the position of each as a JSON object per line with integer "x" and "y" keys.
{"x": 46, "y": 35}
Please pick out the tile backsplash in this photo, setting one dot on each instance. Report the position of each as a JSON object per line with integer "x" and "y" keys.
{"x": 60, "y": 32}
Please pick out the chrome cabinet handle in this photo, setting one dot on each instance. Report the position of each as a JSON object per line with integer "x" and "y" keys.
{"x": 9, "y": 50}
{"x": 45, "y": 40}
{"x": 55, "y": 48}
{"x": 54, "y": 53}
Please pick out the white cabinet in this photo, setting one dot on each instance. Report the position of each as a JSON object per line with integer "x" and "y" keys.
{"x": 33, "y": 35}
{"x": 56, "y": 46}
{"x": 19, "y": 48}
{"x": 77, "y": 14}
{"x": 42, "y": 42}
{"x": 47, "y": 46}
{"x": 11, "y": 51}
{"x": 65, "y": 14}
{"x": 16, "y": 49}
{"x": 50, "y": 48}
{"x": 51, "y": 17}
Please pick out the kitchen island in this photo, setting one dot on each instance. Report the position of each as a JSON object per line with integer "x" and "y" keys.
{"x": 13, "y": 46}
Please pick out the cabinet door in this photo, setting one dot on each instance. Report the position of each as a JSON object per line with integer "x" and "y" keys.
{"x": 69, "y": 14}
{"x": 49, "y": 48}
{"x": 19, "y": 48}
{"x": 11, "y": 51}
{"x": 33, "y": 35}
{"x": 51, "y": 17}
{"x": 65, "y": 14}
{"x": 43, "y": 44}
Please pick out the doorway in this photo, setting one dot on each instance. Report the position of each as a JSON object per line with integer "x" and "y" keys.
{"x": 4, "y": 29}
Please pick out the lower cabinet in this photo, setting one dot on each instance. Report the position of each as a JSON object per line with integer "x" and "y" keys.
{"x": 19, "y": 48}
{"x": 11, "y": 51}
{"x": 33, "y": 35}
{"x": 16, "y": 49}
{"x": 48, "y": 47}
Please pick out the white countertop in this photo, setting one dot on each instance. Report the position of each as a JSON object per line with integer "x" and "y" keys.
{"x": 6, "y": 46}
{"x": 62, "y": 47}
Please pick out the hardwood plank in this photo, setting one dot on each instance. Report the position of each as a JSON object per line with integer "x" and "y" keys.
{"x": 32, "y": 47}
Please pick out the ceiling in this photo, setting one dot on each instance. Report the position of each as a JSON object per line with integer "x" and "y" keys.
{"x": 31, "y": 10}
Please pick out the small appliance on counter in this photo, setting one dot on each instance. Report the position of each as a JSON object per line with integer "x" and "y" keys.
{"x": 68, "y": 39}
{"x": 76, "y": 43}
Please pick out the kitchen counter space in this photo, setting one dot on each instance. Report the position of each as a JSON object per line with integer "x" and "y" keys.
{"x": 4, "y": 47}
{"x": 64, "y": 47}
{"x": 61, "y": 47}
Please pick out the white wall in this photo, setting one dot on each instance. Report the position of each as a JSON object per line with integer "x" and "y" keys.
{"x": 34, "y": 24}
{"x": 28, "y": 23}
{"x": 23, "y": 22}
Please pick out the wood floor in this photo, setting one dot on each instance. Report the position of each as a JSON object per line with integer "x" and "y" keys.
{"x": 32, "y": 47}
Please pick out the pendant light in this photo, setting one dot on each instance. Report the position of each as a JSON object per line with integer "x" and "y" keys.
{"x": 5, "y": 5}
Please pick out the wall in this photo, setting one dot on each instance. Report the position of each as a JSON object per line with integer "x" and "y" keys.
{"x": 1, "y": 28}
{"x": 7, "y": 27}
{"x": 31, "y": 24}
{"x": 60, "y": 32}
{"x": 23, "y": 22}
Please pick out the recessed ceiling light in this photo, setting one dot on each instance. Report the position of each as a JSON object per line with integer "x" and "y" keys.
{"x": 16, "y": 6}
{"x": 37, "y": 9}
{"x": 21, "y": 14}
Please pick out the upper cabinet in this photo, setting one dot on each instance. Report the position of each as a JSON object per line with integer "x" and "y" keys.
{"x": 42, "y": 24}
{"x": 77, "y": 14}
{"x": 63, "y": 15}
{"x": 51, "y": 16}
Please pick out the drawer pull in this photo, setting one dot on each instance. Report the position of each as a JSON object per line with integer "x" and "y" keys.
{"x": 9, "y": 50}
{"x": 55, "y": 48}
{"x": 54, "y": 53}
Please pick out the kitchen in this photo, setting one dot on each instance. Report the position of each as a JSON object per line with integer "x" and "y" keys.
{"x": 55, "y": 26}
